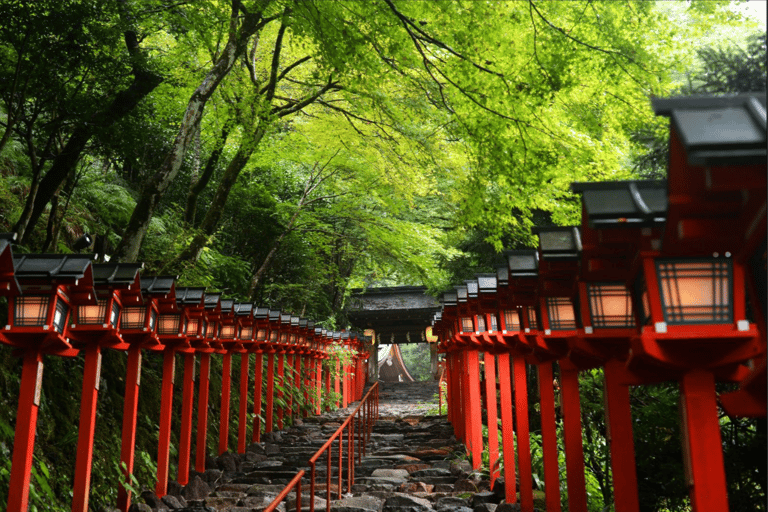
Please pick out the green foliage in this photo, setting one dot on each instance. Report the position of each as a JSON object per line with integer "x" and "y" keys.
{"x": 416, "y": 357}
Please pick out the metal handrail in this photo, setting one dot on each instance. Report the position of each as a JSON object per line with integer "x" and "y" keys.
{"x": 365, "y": 413}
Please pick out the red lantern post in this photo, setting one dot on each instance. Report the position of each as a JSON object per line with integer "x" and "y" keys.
{"x": 51, "y": 286}
{"x": 138, "y": 324}
{"x": 691, "y": 285}
{"x": 171, "y": 331}
{"x": 93, "y": 327}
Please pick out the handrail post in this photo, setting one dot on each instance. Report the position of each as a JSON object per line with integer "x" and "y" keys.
{"x": 312, "y": 486}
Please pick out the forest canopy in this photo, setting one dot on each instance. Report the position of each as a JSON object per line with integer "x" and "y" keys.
{"x": 287, "y": 151}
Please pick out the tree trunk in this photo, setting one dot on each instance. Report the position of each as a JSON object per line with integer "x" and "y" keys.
{"x": 128, "y": 250}
{"x": 199, "y": 185}
{"x": 216, "y": 208}
{"x": 65, "y": 161}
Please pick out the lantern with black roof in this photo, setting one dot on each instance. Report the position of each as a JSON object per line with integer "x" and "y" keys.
{"x": 692, "y": 286}
{"x": 202, "y": 313}
{"x": 520, "y": 330}
{"x": 468, "y": 366}
{"x": 138, "y": 323}
{"x": 180, "y": 323}
{"x": 560, "y": 250}
{"x": 9, "y": 286}
{"x": 95, "y": 326}
{"x": 293, "y": 361}
{"x": 618, "y": 220}
{"x": 51, "y": 286}
{"x": 272, "y": 334}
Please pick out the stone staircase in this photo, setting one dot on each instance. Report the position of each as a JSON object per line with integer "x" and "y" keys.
{"x": 413, "y": 463}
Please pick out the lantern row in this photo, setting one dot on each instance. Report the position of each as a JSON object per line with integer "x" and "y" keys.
{"x": 62, "y": 305}
{"x": 653, "y": 286}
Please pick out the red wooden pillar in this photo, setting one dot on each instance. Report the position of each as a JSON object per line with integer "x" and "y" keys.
{"x": 702, "y": 445}
{"x": 288, "y": 380}
{"x": 328, "y": 389}
{"x": 88, "y": 400}
{"x": 187, "y": 400}
{"x": 458, "y": 399}
{"x": 281, "y": 383}
{"x": 466, "y": 430}
{"x": 226, "y": 384}
{"x": 493, "y": 424}
{"x": 270, "y": 391}
{"x": 475, "y": 433}
{"x": 298, "y": 364}
{"x": 130, "y": 410}
{"x": 258, "y": 364}
{"x": 574, "y": 450}
{"x": 549, "y": 437}
{"x": 450, "y": 387}
{"x": 202, "y": 412}
{"x": 507, "y": 428}
{"x": 166, "y": 408}
{"x": 523, "y": 435}
{"x": 620, "y": 439}
{"x": 24, "y": 436}
{"x": 242, "y": 430}
{"x": 345, "y": 386}
{"x": 319, "y": 386}
{"x": 336, "y": 387}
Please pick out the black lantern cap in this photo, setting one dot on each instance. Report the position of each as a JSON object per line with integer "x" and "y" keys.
{"x": 336, "y": 335}
{"x": 319, "y": 331}
{"x": 294, "y": 321}
{"x": 285, "y": 318}
{"x": 190, "y": 296}
{"x": 212, "y": 300}
{"x": 261, "y": 313}
{"x": 303, "y": 323}
{"x": 502, "y": 276}
{"x": 345, "y": 335}
{"x": 472, "y": 288}
{"x": 522, "y": 263}
{"x": 274, "y": 316}
{"x": 486, "y": 283}
{"x": 461, "y": 293}
{"x": 7, "y": 279}
{"x": 310, "y": 324}
{"x": 624, "y": 203}
{"x": 52, "y": 266}
{"x": 243, "y": 308}
{"x": 449, "y": 299}
{"x": 158, "y": 285}
{"x": 718, "y": 130}
{"x": 227, "y": 305}
{"x": 559, "y": 242}
{"x": 119, "y": 275}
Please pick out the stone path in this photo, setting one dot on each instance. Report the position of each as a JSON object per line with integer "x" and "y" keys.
{"x": 413, "y": 464}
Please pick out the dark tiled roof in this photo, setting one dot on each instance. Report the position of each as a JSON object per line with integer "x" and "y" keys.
{"x": 523, "y": 263}
{"x": 116, "y": 274}
{"x": 190, "y": 296}
{"x": 718, "y": 130}
{"x": 158, "y": 285}
{"x": 52, "y": 266}
{"x": 624, "y": 203}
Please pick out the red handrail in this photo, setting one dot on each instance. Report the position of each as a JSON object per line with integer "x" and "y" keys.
{"x": 295, "y": 482}
{"x": 365, "y": 413}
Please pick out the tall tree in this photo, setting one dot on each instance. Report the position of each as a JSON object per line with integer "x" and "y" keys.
{"x": 244, "y": 23}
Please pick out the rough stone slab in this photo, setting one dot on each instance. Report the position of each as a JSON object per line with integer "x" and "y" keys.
{"x": 431, "y": 472}
{"x": 405, "y": 503}
{"x": 358, "y": 504}
{"x": 369, "y": 480}
{"x": 450, "y": 503}
{"x": 390, "y": 473}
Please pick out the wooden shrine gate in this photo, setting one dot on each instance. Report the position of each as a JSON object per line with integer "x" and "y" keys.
{"x": 651, "y": 287}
